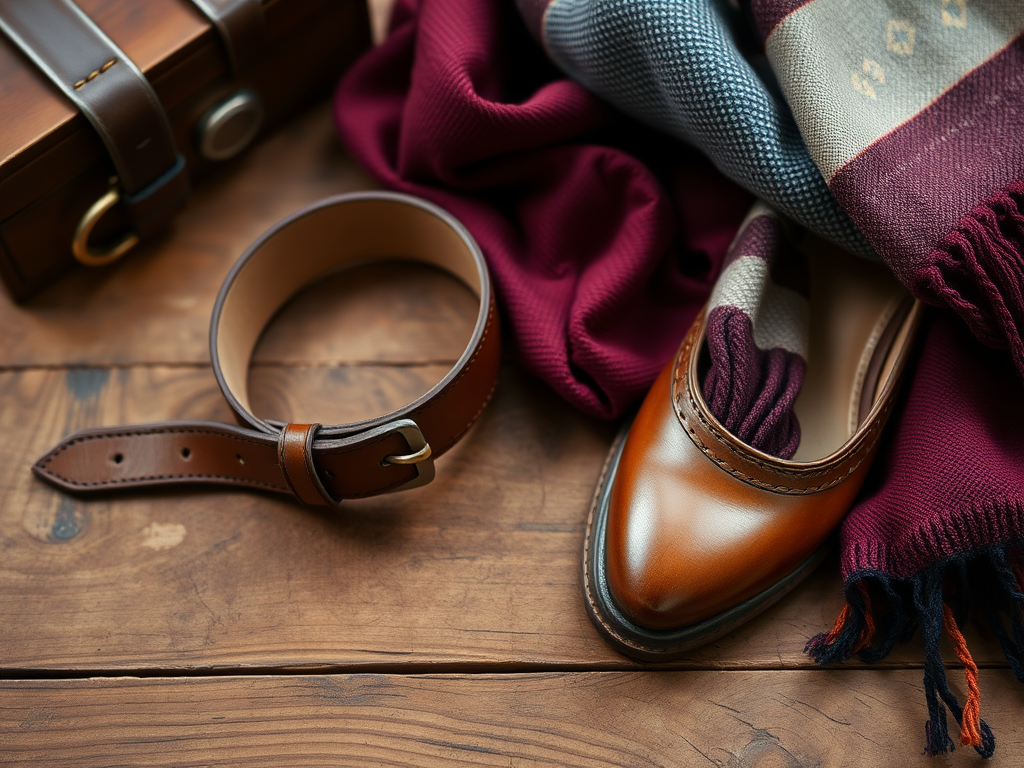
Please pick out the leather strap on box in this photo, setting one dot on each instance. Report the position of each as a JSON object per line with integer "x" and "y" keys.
{"x": 318, "y": 464}
{"x": 115, "y": 97}
{"x": 241, "y": 27}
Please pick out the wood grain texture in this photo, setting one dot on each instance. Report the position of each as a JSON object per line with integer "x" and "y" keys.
{"x": 391, "y": 313}
{"x": 730, "y": 719}
{"x": 478, "y": 570}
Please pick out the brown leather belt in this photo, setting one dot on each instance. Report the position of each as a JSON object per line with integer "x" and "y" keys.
{"x": 317, "y": 464}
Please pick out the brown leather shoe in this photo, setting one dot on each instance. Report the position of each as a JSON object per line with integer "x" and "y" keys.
{"x": 693, "y": 532}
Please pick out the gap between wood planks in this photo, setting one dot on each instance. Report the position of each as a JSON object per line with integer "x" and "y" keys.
{"x": 440, "y": 668}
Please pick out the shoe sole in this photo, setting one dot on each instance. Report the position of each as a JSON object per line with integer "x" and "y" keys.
{"x": 652, "y": 644}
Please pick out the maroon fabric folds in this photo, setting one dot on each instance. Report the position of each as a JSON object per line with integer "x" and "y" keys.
{"x": 600, "y": 264}
{"x": 949, "y": 480}
{"x": 750, "y": 390}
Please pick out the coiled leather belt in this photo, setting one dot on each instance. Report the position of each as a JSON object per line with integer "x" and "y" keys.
{"x": 317, "y": 464}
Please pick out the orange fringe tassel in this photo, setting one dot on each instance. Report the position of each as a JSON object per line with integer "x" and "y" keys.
{"x": 837, "y": 628}
{"x": 844, "y": 615}
{"x": 1020, "y": 576}
{"x": 970, "y": 725}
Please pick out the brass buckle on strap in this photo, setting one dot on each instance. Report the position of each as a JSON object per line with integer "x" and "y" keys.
{"x": 97, "y": 257}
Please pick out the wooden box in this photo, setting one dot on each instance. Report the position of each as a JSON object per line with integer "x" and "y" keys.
{"x": 53, "y": 165}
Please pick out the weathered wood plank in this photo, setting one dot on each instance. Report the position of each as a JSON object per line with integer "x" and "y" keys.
{"x": 393, "y": 313}
{"x": 155, "y": 306}
{"x": 480, "y": 568}
{"x": 793, "y": 718}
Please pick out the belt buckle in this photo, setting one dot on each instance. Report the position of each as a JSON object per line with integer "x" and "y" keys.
{"x": 419, "y": 455}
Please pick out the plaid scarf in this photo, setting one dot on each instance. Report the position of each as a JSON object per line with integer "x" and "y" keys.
{"x": 757, "y": 336}
{"x": 890, "y": 125}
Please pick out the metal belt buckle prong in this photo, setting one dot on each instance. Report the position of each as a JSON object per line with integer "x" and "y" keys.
{"x": 418, "y": 456}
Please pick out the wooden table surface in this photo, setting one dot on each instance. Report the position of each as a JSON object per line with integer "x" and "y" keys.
{"x": 442, "y": 626}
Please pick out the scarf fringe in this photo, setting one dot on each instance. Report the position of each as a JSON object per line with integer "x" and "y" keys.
{"x": 882, "y": 610}
{"x": 977, "y": 270}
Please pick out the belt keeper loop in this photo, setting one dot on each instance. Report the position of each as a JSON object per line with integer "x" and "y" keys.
{"x": 295, "y": 452}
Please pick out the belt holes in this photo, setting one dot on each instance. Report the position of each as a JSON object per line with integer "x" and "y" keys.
{"x": 240, "y": 459}
{"x": 117, "y": 458}
{"x": 186, "y": 453}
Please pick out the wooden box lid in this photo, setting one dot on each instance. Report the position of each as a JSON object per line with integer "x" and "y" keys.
{"x": 43, "y": 138}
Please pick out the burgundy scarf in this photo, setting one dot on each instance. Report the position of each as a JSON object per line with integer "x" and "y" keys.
{"x": 600, "y": 261}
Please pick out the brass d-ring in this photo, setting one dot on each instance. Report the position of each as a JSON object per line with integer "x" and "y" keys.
{"x": 97, "y": 257}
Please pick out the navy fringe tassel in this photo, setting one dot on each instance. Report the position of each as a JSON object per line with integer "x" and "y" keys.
{"x": 984, "y": 586}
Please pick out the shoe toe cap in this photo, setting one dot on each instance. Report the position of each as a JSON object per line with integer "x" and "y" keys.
{"x": 676, "y": 555}
{"x": 687, "y": 538}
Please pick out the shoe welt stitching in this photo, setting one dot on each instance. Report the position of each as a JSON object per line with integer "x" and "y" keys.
{"x": 681, "y": 379}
